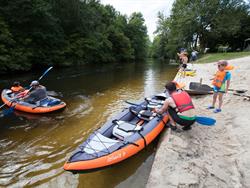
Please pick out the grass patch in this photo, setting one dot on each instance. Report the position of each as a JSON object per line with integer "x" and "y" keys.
{"x": 213, "y": 57}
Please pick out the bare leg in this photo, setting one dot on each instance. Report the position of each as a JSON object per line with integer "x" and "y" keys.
{"x": 220, "y": 100}
{"x": 184, "y": 73}
{"x": 172, "y": 121}
{"x": 214, "y": 99}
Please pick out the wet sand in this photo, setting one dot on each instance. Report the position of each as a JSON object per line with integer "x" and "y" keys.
{"x": 217, "y": 156}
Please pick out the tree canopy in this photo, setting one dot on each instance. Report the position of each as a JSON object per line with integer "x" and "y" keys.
{"x": 207, "y": 24}
{"x": 38, "y": 33}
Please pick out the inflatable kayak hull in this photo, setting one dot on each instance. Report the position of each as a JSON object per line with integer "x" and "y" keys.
{"x": 198, "y": 92}
{"x": 7, "y": 98}
{"x": 92, "y": 155}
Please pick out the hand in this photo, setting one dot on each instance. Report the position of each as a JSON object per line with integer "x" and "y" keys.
{"x": 156, "y": 110}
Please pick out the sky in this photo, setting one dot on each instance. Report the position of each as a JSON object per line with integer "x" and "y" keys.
{"x": 149, "y": 9}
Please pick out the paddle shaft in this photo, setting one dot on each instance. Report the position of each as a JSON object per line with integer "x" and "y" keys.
{"x": 198, "y": 85}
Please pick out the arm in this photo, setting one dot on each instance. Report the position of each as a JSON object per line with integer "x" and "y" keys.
{"x": 228, "y": 79}
{"x": 163, "y": 108}
{"x": 227, "y": 86}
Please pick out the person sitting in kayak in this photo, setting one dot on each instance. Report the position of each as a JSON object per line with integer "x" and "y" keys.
{"x": 37, "y": 93}
{"x": 179, "y": 106}
{"x": 16, "y": 87}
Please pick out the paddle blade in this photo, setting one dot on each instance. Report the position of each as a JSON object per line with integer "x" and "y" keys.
{"x": 205, "y": 120}
{"x": 45, "y": 73}
{"x": 8, "y": 111}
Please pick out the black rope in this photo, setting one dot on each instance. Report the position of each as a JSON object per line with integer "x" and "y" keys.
{"x": 102, "y": 143}
{"x": 132, "y": 143}
{"x": 144, "y": 140}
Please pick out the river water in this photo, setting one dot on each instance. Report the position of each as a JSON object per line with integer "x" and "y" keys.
{"x": 33, "y": 148}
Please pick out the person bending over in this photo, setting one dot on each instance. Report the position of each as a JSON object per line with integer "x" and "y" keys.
{"x": 37, "y": 93}
{"x": 179, "y": 106}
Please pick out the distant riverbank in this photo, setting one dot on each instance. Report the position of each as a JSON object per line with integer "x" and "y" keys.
{"x": 211, "y": 57}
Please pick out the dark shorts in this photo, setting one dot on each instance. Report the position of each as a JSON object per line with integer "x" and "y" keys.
{"x": 178, "y": 119}
{"x": 184, "y": 66}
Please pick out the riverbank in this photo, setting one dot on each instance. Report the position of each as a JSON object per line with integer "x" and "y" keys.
{"x": 212, "y": 57}
{"x": 217, "y": 156}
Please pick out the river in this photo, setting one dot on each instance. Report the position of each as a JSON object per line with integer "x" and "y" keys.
{"x": 33, "y": 148}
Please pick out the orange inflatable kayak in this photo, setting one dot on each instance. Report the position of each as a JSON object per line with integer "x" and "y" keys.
{"x": 47, "y": 105}
{"x": 119, "y": 138}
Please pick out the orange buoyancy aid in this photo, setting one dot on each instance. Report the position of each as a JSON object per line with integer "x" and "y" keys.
{"x": 219, "y": 78}
{"x": 182, "y": 100}
{"x": 16, "y": 89}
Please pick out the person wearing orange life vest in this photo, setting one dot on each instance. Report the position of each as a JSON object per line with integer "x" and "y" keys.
{"x": 179, "y": 106}
{"x": 16, "y": 87}
{"x": 221, "y": 83}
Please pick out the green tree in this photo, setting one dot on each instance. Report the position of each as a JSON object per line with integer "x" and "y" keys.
{"x": 64, "y": 33}
{"x": 207, "y": 23}
{"x": 137, "y": 33}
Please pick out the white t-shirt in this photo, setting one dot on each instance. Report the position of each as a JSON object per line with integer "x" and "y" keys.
{"x": 171, "y": 102}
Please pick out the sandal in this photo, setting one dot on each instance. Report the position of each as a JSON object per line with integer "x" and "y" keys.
{"x": 217, "y": 110}
{"x": 186, "y": 128}
{"x": 210, "y": 107}
{"x": 172, "y": 127}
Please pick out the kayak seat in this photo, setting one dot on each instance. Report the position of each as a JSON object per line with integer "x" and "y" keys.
{"x": 99, "y": 143}
{"x": 48, "y": 102}
{"x": 144, "y": 114}
{"x": 124, "y": 129}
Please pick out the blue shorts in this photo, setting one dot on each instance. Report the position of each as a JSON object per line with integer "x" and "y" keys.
{"x": 219, "y": 89}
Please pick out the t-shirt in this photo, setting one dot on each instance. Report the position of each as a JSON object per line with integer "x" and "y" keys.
{"x": 37, "y": 95}
{"x": 171, "y": 102}
{"x": 194, "y": 53}
{"x": 227, "y": 77}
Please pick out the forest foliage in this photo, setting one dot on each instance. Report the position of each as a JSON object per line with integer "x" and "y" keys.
{"x": 201, "y": 24}
{"x": 39, "y": 33}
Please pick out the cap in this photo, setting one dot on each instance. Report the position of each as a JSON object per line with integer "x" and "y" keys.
{"x": 34, "y": 83}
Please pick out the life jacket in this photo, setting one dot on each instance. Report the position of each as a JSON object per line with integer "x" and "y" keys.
{"x": 219, "y": 78}
{"x": 182, "y": 100}
{"x": 16, "y": 89}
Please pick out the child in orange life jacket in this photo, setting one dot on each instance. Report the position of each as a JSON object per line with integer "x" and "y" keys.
{"x": 16, "y": 87}
{"x": 179, "y": 106}
{"x": 221, "y": 83}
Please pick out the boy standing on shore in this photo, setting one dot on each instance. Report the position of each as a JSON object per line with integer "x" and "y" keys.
{"x": 221, "y": 83}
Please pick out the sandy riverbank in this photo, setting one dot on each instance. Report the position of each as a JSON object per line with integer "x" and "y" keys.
{"x": 217, "y": 156}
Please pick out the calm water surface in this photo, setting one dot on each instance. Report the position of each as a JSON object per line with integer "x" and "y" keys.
{"x": 33, "y": 148}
